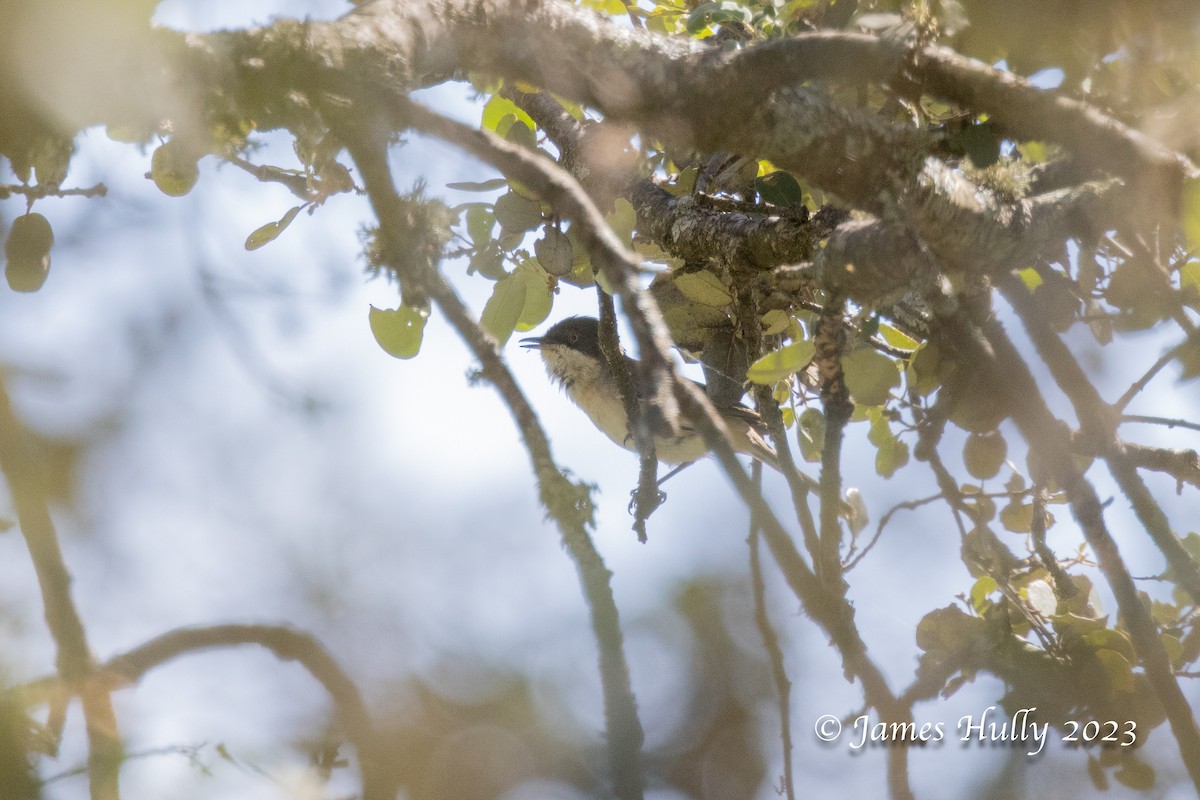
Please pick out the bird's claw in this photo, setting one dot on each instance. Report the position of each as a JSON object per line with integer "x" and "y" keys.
{"x": 660, "y": 498}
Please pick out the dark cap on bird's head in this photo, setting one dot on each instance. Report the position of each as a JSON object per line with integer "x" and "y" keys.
{"x": 577, "y": 333}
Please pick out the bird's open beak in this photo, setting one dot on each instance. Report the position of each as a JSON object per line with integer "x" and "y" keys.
{"x": 532, "y": 343}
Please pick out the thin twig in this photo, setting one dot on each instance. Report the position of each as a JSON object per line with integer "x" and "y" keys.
{"x": 907, "y": 505}
{"x": 646, "y": 497}
{"x": 38, "y": 191}
{"x": 774, "y": 653}
{"x": 1169, "y": 423}
{"x": 1143, "y": 381}
{"x": 1064, "y": 587}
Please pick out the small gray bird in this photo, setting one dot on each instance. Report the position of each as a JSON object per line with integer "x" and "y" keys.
{"x": 571, "y": 350}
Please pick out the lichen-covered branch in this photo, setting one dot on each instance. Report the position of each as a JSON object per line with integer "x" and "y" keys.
{"x": 569, "y": 504}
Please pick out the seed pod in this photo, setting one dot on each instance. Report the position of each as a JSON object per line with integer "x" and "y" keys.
{"x": 28, "y": 253}
{"x": 984, "y": 454}
{"x": 173, "y": 170}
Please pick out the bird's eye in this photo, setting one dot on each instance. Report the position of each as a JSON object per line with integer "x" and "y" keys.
{"x": 573, "y": 338}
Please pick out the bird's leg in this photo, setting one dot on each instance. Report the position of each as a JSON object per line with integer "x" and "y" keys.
{"x": 662, "y": 496}
{"x": 674, "y": 472}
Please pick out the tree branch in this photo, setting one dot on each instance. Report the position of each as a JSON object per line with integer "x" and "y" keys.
{"x": 1098, "y": 420}
{"x": 989, "y": 351}
{"x": 76, "y": 668}
{"x": 569, "y": 504}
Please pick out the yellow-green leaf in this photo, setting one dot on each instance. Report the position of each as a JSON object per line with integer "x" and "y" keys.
{"x": 1191, "y": 213}
{"x": 781, "y": 363}
{"x": 1030, "y": 277}
{"x": 504, "y": 307}
{"x": 497, "y": 108}
{"x": 897, "y": 339}
{"x": 1017, "y": 517}
{"x": 775, "y": 321}
{"x": 1118, "y": 668}
{"x": 810, "y": 435}
{"x": 270, "y": 231}
{"x": 705, "y": 288}
{"x": 398, "y": 331}
{"x": 516, "y": 214}
{"x": 537, "y": 296}
{"x": 478, "y": 186}
{"x": 870, "y": 376}
{"x": 980, "y": 591}
{"x": 622, "y": 219}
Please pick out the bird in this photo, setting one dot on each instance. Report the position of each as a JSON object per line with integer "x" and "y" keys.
{"x": 571, "y": 352}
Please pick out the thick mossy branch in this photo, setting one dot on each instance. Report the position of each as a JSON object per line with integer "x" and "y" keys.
{"x": 680, "y": 91}
{"x": 686, "y": 229}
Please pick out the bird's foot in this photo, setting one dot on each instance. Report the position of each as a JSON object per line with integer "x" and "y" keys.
{"x": 658, "y": 500}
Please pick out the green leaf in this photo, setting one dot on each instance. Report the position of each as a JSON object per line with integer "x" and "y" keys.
{"x": 480, "y": 221}
{"x": 1189, "y": 358}
{"x": 1111, "y": 639}
{"x": 270, "y": 231}
{"x": 504, "y": 307}
{"x": 399, "y": 331}
{"x": 984, "y": 454}
{"x": 1017, "y": 518}
{"x": 980, "y": 591}
{"x": 897, "y": 339}
{"x": 891, "y": 457}
{"x": 1174, "y": 648}
{"x": 622, "y": 219}
{"x": 715, "y": 13}
{"x": 779, "y": 188}
{"x": 703, "y": 287}
{"x": 610, "y": 7}
{"x": 1190, "y": 646}
{"x": 1189, "y": 278}
{"x": 516, "y": 214}
{"x": 478, "y": 186}
{"x": 1118, "y": 669}
{"x": 488, "y": 261}
{"x": 497, "y": 108}
{"x": 537, "y": 295}
{"x": 1191, "y": 213}
{"x": 775, "y": 321}
{"x": 554, "y": 252}
{"x": 810, "y": 434}
{"x": 870, "y": 376}
{"x": 1033, "y": 152}
{"x": 929, "y": 369}
{"x": 519, "y": 133}
{"x": 1031, "y": 278}
{"x": 981, "y": 143}
{"x": 781, "y": 363}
